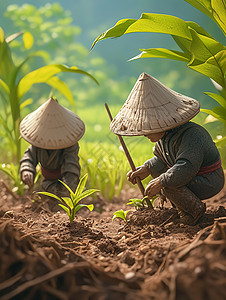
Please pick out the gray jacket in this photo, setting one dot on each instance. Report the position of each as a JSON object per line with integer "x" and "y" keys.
{"x": 181, "y": 153}
{"x": 66, "y": 160}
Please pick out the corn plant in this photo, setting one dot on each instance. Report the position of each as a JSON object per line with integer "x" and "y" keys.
{"x": 199, "y": 50}
{"x": 71, "y": 204}
{"x": 120, "y": 214}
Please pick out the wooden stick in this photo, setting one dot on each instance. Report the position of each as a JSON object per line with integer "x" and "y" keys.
{"x": 138, "y": 181}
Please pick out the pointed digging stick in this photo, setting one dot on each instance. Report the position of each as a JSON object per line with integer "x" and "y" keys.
{"x": 138, "y": 181}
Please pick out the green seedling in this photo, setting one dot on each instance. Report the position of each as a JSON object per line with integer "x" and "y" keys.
{"x": 140, "y": 203}
{"x": 137, "y": 203}
{"x": 71, "y": 204}
{"x": 120, "y": 214}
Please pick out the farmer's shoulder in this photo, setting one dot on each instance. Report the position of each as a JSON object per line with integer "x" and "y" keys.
{"x": 196, "y": 132}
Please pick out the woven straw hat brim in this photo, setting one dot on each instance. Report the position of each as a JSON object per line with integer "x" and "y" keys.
{"x": 151, "y": 107}
{"x": 52, "y": 127}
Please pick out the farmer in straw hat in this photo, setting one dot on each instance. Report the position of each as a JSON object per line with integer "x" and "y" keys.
{"x": 53, "y": 132}
{"x": 186, "y": 166}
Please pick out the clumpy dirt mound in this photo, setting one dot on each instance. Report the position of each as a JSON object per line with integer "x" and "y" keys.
{"x": 151, "y": 256}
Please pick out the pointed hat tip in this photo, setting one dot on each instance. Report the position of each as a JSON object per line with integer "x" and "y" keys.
{"x": 144, "y": 76}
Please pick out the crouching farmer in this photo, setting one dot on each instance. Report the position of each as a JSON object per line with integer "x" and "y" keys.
{"x": 53, "y": 132}
{"x": 186, "y": 166}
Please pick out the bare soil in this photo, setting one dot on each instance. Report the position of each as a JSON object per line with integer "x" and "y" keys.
{"x": 152, "y": 256}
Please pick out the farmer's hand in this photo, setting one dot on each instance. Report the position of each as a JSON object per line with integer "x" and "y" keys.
{"x": 141, "y": 172}
{"x": 28, "y": 178}
{"x": 153, "y": 188}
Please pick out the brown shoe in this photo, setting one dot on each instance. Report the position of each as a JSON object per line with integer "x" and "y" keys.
{"x": 188, "y": 219}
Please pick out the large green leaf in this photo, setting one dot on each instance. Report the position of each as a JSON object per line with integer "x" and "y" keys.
{"x": 221, "y": 100}
{"x": 148, "y": 22}
{"x": 217, "y": 112}
{"x": 6, "y": 62}
{"x": 203, "y": 47}
{"x": 208, "y": 57}
{"x": 210, "y": 70}
{"x": 219, "y": 13}
{"x": 43, "y": 74}
{"x": 4, "y": 86}
{"x": 202, "y": 5}
{"x": 163, "y": 53}
{"x": 61, "y": 86}
{"x": 185, "y": 44}
{"x": 214, "y": 9}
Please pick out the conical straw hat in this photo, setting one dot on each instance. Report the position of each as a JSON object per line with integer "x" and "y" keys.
{"x": 52, "y": 126}
{"x": 152, "y": 107}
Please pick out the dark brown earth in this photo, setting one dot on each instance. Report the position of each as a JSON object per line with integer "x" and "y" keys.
{"x": 152, "y": 256}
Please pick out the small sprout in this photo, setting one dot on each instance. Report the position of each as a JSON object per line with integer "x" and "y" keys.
{"x": 137, "y": 203}
{"x": 140, "y": 203}
{"x": 120, "y": 214}
{"x": 70, "y": 204}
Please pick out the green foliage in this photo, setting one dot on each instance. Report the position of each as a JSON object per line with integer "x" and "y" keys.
{"x": 14, "y": 85}
{"x": 202, "y": 52}
{"x": 12, "y": 171}
{"x": 120, "y": 214}
{"x": 140, "y": 203}
{"x": 71, "y": 204}
{"x": 106, "y": 166}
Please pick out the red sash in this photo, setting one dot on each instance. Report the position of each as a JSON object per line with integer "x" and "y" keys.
{"x": 51, "y": 174}
{"x": 211, "y": 168}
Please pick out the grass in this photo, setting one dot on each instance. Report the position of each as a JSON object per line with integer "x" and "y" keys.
{"x": 107, "y": 164}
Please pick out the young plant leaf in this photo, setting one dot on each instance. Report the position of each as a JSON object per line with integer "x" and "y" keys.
{"x": 67, "y": 187}
{"x": 163, "y": 53}
{"x": 86, "y": 194}
{"x": 70, "y": 204}
{"x": 138, "y": 203}
{"x": 68, "y": 201}
{"x": 50, "y": 195}
{"x": 81, "y": 185}
{"x": 89, "y": 206}
{"x": 120, "y": 214}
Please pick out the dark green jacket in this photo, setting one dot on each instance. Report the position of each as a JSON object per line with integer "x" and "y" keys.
{"x": 66, "y": 160}
{"x": 181, "y": 153}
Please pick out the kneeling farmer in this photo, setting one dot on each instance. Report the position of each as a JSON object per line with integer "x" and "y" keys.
{"x": 53, "y": 132}
{"x": 186, "y": 165}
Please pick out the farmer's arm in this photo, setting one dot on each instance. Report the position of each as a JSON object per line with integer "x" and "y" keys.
{"x": 71, "y": 168}
{"x": 28, "y": 165}
{"x": 155, "y": 166}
